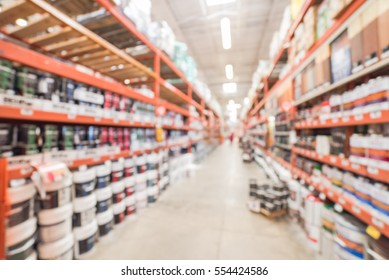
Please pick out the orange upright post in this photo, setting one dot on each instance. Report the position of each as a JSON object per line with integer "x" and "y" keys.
{"x": 3, "y": 204}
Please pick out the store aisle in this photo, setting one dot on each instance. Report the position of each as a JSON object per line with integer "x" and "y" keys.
{"x": 205, "y": 217}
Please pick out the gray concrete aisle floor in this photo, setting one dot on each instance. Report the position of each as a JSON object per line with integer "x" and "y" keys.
{"x": 206, "y": 217}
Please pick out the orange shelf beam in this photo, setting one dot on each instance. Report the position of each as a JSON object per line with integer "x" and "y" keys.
{"x": 345, "y": 164}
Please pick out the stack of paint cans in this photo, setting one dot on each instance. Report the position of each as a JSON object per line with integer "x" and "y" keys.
{"x": 21, "y": 224}
{"x": 152, "y": 178}
{"x": 141, "y": 182}
{"x": 104, "y": 213}
{"x": 118, "y": 192}
{"x": 129, "y": 185}
{"x": 84, "y": 217}
{"x": 55, "y": 221}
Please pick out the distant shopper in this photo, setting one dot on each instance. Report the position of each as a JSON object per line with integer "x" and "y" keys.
{"x": 231, "y": 137}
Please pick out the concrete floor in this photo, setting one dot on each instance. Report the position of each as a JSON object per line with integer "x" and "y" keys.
{"x": 206, "y": 217}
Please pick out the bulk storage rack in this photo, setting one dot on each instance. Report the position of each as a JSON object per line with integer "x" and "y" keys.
{"x": 65, "y": 51}
{"x": 272, "y": 83}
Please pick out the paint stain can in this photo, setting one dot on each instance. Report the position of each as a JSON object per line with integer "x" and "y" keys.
{"x": 85, "y": 240}
{"x": 152, "y": 186}
{"x": 129, "y": 185}
{"x": 141, "y": 199}
{"x": 130, "y": 205}
{"x": 55, "y": 224}
{"x": 20, "y": 240}
{"x": 119, "y": 212}
{"x": 141, "y": 164}
{"x": 104, "y": 199}
{"x": 84, "y": 210}
{"x": 118, "y": 193}
{"x": 117, "y": 169}
{"x": 152, "y": 161}
{"x": 103, "y": 176}
{"x": 61, "y": 249}
{"x": 84, "y": 182}
{"x": 57, "y": 194}
{"x": 21, "y": 198}
{"x": 129, "y": 167}
{"x": 105, "y": 222}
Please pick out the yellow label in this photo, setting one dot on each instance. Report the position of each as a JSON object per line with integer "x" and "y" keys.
{"x": 373, "y": 232}
{"x": 159, "y": 134}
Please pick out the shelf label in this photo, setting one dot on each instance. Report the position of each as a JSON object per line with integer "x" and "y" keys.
{"x": 330, "y": 194}
{"x": 26, "y": 112}
{"x": 373, "y": 232}
{"x": 315, "y": 122}
{"x": 334, "y": 120}
{"x": 358, "y": 117}
{"x": 338, "y": 208}
{"x": 375, "y": 115}
{"x": 332, "y": 159}
{"x": 15, "y": 100}
{"x": 97, "y": 119}
{"x": 60, "y": 156}
{"x": 311, "y": 188}
{"x": 71, "y": 116}
{"x": 372, "y": 170}
{"x": 341, "y": 201}
{"x": 322, "y": 196}
{"x": 377, "y": 222}
{"x": 356, "y": 209}
{"x": 322, "y": 121}
{"x": 345, "y": 162}
{"x": 355, "y": 166}
{"x": 345, "y": 118}
{"x": 21, "y": 160}
{"x": 26, "y": 170}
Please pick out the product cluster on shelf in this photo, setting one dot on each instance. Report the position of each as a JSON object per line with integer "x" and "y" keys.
{"x": 322, "y": 103}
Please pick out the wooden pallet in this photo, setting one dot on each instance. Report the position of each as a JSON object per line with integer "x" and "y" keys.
{"x": 273, "y": 214}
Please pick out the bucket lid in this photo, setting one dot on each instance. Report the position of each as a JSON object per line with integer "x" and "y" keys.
{"x": 152, "y": 174}
{"x": 66, "y": 182}
{"x": 81, "y": 233}
{"x": 105, "y": 217}
{"x": 128, "y": 162}
{"x": 21, "y": 193}
{"x": 57, "y": 248}
{"x": 118, "y": 207}
{"x": 117, "y": 187}
{"x": 152, "y": 158}
{"x": 80, "y": 204}
{"x": 130, "y": 200}
{"x": 103, "y": 194}
{"x": 20, "y": 232}
{"x": 55, "y": 215}
{"x": 32, "y": 257}
{"x": 103, "y": 170}
{"x": 129, "y": 181}
{"x": 118, "y": 165}
{"x": 140, "y": 160}
{"x": 84, "y": 176}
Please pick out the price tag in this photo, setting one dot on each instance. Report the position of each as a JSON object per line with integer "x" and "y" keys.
{"x": 358, "y": 117}
{"x": 377, "y": 222}
{"x": 26, "y": 112}
{"x": 375, "y": 115}
{"x": 97, "y": 119}
{"x": 356, "y": 209}
{"x": 355, "y": 166}
{"x": 315, "y": 122}
{"x": 71, "y": 116}
{"x": 338, "y": 208}
{"x": 341, "y": 201}
{"x": 333, "y": 159}
{"x": 116, "y": 120}
{"x": 322, "y": 121}
{"x": 335, "y": 120}
{"x": 345, "y": 118}
{"x": 26, "y": 170}
{"x": 373, "y": 232}
{"x": 311, "y": 188}
{"x": 322, "y": 196}
{"x": 345, "y": 162}
{"x": 320, "y": 156}
{"x": 372, "y": 170}
{"x": 330, "y": 194}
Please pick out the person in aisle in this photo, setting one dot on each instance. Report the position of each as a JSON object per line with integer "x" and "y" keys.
{"x": 231, "y": 137}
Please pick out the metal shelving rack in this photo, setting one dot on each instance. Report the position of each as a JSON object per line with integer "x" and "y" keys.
{"x": 62, "y": 51}
{"x": 272, "y": 82}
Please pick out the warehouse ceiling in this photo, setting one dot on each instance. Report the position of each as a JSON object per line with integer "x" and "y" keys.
{"x": 253, "y": 23}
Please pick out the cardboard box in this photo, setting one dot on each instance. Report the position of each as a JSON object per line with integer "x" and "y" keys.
{"x": 383, "y": 25}
{"x": 354, "y": 32}
{"x": 370, "y": 32}
{"x": 341, "y": 65}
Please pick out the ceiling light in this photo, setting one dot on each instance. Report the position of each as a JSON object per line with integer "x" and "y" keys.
{"x": 246, "y": 101}
{"x": 229, "y": 71}
{"x": 113, "y": 68}
{"x": 225, "y": 25}
{"x": 21, "y": 22}
{"x": 229, "y": 87}
{"x": 120, "y": 66}
{"x": 127, "y": 81}
{"x": 106, "y": 57}
{"x": 218, "y": 2}
{"x": 238, "y": 106}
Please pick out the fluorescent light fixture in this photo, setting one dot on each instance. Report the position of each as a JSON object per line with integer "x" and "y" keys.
{"x": 211, "y": 3}
{"x": 225, "y": 25}
{"x": 229, "y": 87}
{"x": 229, "y": 71}
{"x": 21, "y": 22}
